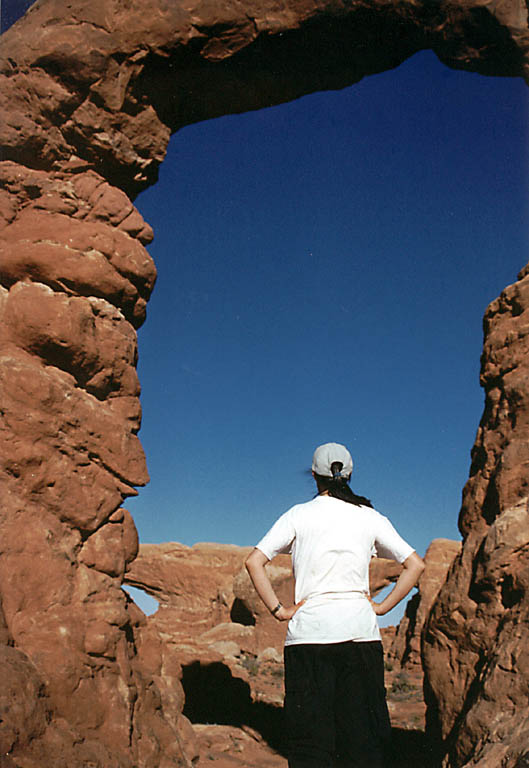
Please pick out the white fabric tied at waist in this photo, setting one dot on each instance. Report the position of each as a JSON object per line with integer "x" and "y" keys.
{"x": 334, "y": 617}
{"x": 352, "y": 594}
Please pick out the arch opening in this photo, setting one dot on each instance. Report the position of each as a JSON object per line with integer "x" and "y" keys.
{"x": 92, "y": 127}
{"x": 282, "y": 236}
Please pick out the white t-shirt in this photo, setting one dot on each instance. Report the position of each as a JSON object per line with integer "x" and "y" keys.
{"x": 332, "y": 542}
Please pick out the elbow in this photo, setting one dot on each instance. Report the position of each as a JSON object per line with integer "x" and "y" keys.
{"x": 249, "y": 563}
{"x": 255, "y": 562}
{"x": 415, "y": 564}
{"x": 420, "y": 567}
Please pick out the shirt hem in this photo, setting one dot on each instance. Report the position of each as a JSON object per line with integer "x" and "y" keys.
{"x": 313, "y": 641}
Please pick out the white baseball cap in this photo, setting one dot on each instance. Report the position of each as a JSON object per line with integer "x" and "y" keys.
{"x": 325, "y": 455}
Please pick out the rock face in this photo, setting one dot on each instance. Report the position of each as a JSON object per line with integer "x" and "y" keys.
{"x": 89, "y": 99}
{"x": 76, "y": 279}
{"x": 109, "y": 82}
{"x": 204, "y": 591}
{"x": 207, "y": 599}
{"x": 479, "y": 626}
{"x": 194, "y": 585}
{"x": 228, "y": 646}
{"x": 406, "y": 646}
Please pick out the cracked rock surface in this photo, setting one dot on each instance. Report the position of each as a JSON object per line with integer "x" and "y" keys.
{"x": 479, "y": 625}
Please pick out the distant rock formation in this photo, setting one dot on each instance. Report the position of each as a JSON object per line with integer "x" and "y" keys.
{"x": 204, "y": 589}
{"x": 89, "y": 95}
{"x": 406, "y": 646}
{"x": 211, "y": 620}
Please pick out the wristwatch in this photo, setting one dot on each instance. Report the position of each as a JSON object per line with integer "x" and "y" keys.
{"x": 275, "y": 610}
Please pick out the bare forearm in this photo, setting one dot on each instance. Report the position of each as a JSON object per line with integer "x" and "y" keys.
{"x": 255, "y": 565}
{"x": 413, "y": 567}
{"x": 262, "y": 585}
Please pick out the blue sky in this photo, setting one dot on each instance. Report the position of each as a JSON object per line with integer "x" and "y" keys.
{"x": 11, "y": 10}
{"x": 324, "y": 267}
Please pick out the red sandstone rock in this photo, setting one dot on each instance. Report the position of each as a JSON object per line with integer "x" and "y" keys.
{"x": 194, "y": 585}
{"x": 63, "y": 242}
{"x": 204, "y": 586}
{"x": 96, "y": 78}
{"x": 239, "y": 657}
{"x": 88, "y": 100}
{"x": 478, "y": 626}
{"x": 228, "y": 747}
{"x": 22, "y": 701}
{"x": 71, "y": 455}
{"x": 211, "y": 616}
{"x": 406, "y": 646}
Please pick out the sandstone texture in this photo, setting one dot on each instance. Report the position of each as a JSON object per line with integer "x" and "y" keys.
{"x": 230, "y": 649}
{"x": 477, "y": 634}
{"x": 75, "y": 282}
{"x": 228, "y": 747}
{"x": 226, "y": 657}
{"x": 90, "y": 92}
{"x": 208, "y": 603}
{"x": 405, "y": 648}
{"x": 106, "y": 83}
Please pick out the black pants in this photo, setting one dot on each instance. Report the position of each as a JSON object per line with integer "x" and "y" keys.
{"x": 335, "y": 706}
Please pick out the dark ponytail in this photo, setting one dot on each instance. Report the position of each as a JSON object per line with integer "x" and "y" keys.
{"x": 338, "y": 487}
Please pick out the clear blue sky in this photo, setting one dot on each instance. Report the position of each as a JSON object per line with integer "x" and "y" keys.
{"x": 324, "y": 267}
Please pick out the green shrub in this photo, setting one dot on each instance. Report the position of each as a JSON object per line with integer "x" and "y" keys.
{"x": 250, "y": 664}
{"x": 401, "y": 684}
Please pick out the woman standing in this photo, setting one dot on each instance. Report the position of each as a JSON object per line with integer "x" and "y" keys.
{"x": 335, "y": 700}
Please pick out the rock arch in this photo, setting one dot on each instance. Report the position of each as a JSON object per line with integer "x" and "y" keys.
{"x": 89, "y": 101}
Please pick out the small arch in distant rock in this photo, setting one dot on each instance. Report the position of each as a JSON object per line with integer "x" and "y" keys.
{"x": 213, "y": 695}
{"x": 240, "y": 614}
{"x": 143, "y": 600}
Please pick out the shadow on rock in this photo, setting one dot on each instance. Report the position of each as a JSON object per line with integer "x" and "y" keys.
{"x": 413, "y": 747}
{"x": 214, "y": 696}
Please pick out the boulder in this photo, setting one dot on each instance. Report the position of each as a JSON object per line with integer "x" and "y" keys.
{"x": 405, "y": 648}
